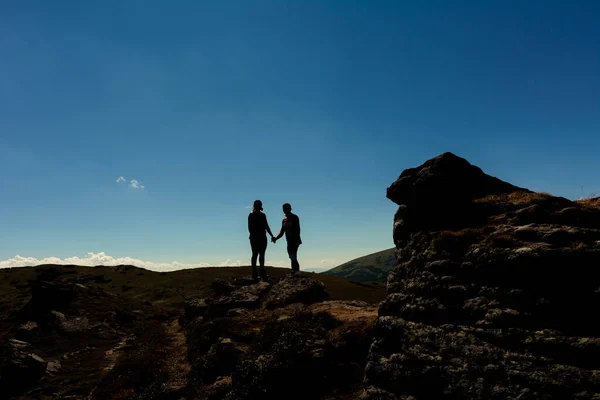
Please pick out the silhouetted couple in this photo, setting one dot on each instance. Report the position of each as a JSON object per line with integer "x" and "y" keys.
{"x": 259, "y": 227}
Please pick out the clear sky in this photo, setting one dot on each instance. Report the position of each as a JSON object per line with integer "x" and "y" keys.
{"x": 211, "y": 105}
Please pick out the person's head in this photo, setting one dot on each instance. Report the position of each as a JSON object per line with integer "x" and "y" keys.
{"x": 257, "y": 206}
{"x": 287, "y": 208}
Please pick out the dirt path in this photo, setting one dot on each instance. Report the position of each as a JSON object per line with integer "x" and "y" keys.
{"x": 177, "y": 360}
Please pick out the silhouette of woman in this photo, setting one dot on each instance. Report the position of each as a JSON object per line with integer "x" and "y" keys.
{"x": 258, "y": 228}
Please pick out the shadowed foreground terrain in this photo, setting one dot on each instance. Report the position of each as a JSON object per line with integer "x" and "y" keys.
{"x": 120, "y": 332}
{"x": 493, "y": 296}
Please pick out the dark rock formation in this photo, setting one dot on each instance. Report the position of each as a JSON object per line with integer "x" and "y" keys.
{"x": 277, "y": 341}
{"x": 296, "y": 288}
{"x": 439, "y": 194}
{"x": 222, "y": 287}
{"x": 494, "y": 293}
{"x": 244, "y": 297}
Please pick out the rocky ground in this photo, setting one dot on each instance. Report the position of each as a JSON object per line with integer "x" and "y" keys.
{"x": 240, "y": 339}
{"x": 495, "y": 294}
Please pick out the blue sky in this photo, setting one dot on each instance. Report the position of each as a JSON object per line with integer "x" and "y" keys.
{"x": 211, "y": 105}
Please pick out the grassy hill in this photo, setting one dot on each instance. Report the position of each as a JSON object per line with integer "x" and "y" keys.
{"x": 169, "y": 290}
{"x": 371, "y": 268}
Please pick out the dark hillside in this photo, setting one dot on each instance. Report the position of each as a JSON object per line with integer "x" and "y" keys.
{"x": 370, "y": 268}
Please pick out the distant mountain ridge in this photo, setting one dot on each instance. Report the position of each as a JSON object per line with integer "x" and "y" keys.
{"x": 370, "y": 268}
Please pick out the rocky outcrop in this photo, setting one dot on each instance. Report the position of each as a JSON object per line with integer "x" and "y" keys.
{"x": 277, "y": 341}
{"x": 493, "y": 294}
{"x": 247, "y": 294}
{"x": 296, "y": 288}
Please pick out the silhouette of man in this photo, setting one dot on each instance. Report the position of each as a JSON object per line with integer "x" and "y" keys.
{"x": 257, "y": 226}
{"x": 291, "y": 227}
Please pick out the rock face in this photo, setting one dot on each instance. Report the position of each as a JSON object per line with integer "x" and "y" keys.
{"x": 494, "y": 294}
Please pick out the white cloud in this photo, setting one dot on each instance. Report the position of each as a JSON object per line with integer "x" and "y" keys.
{"x": 135, "y": 184}
{"x": 93, "y": 259}
{"x": 230, "y": 263}
{"x": 324, "y": 261}
{"x": 248, "y": 207}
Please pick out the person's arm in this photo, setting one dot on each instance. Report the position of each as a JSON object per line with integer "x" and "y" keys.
{"x": 267, "y": 227}
{"x": 249, "y": 227}
{"x": 280, "y": 232}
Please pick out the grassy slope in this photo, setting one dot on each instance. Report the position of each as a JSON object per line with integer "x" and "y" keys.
{"x": 371, "y": 268}
{"x": 167, "y": 289}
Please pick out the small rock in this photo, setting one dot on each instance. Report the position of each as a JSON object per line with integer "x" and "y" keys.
{"x": 58, "y": 316}
{"x": 75, "y": 325}
{"x": 373, "y": 393}
{"x": 195, "y": 308}
{"x": 14, "y": 344}
{"x": 53, "y": 367}
{"x": 522, "y": 250}
{"x": 235, "y": 312}
{"x": 29, "y": 327}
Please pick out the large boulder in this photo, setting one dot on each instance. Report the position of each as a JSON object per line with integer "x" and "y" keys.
{"x": 295, "y": 288}
{"x": 492, "y": 294}
{"x": 244, "y": 297}
{"x": 439, "y": 194}
{"x": 445, "y": 177}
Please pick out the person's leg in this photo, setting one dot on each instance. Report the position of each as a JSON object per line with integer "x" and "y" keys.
{"x": 293, "y": 253}
{"x": 261, "y": 256}
{"x": 296, "y": 266}
{"x": 263, "y": 272}
{"x": 263, "y": 250}
{"x": 254, "y": 257}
